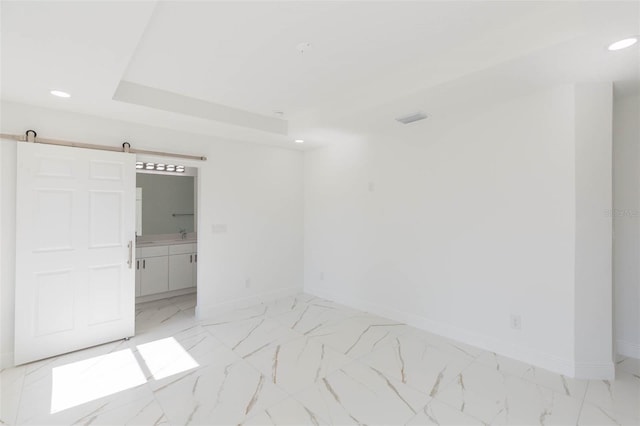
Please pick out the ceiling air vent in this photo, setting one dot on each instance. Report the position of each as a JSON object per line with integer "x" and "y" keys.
{"x": 416, "y": 116}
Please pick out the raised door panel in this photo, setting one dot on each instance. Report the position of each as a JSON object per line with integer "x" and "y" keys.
{"x": 106, "y": 170}
{"x": 105, "y": 294}
{"x": 53, "y": 206}
{"x": 105, "y": 224}
{"x": 55, "y": 300}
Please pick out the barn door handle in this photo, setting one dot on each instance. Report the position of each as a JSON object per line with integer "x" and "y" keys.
{"x": 130, "y": 261}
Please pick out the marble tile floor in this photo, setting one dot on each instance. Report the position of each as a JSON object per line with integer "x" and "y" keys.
{"x": 301, "y": 360}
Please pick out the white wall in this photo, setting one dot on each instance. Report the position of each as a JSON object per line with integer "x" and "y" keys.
{"x": 8, "y": 249}
{"x": 463, "y": 228}
{"x": 593, "y": 282}
{"x": 450, "y": 228}
{"x": 255, "y": 191}
{"x": 626, "y": 218}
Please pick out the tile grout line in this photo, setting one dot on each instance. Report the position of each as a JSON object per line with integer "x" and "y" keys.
{"x": 584, "y": 397}
{"x": 361, "y": 361}
{"x": 22, "y": 379}
{"x": 148, "y": 383}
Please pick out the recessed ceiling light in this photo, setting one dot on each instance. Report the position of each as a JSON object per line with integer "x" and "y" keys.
{"x": 149, "y": 166}
{"x": 139, "y": 165}
{"x": 60, "y": 94}
{"x": 623, "y": 44}
{"x": 299, "y": 141}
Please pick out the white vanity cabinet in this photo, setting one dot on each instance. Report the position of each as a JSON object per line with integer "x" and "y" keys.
{"x": 182, "y": 266}
{"x": 163, "y": 268}
{"x": 152, "y": 270}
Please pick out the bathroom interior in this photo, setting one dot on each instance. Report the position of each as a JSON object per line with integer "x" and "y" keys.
{"x": 166, "y": 231}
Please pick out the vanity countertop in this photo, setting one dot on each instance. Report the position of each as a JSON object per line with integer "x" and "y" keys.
{"x": 165, "y": 240}
{"x": 155, "y": 243}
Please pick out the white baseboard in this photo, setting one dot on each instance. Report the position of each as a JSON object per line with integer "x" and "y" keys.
{"x": 508, "y": 349}
{"x": 6, "y": 360}
{"x": 606, "y": 371}
{"x": 628, "y": 349}
{"x": 277, "y": 294}
{"x": 165, "y": 295}
{"x": 205, "y": 311}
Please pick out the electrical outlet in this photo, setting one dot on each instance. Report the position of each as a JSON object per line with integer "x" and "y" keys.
{"x": 516, "y": 322}
{"x": 247, "y": 283}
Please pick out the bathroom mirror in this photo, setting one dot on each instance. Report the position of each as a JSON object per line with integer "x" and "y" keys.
{"x": 166, "y": 204}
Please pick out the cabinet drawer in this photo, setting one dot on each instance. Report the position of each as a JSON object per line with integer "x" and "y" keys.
{"x": 154, "y": 251}
{"x": 182, "y": 248}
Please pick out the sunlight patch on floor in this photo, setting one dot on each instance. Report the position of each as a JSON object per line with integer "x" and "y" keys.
{"x": 166, "y": 357}
{"x": 83, "y": 381}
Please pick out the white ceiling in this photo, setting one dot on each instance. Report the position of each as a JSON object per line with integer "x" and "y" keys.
{"x": 224, "y": 68}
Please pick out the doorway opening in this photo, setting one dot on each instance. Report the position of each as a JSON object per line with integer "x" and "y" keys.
{"x": 166, "y": 257}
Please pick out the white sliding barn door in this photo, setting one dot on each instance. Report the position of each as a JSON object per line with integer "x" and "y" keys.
{"x": 75, "y": 220}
